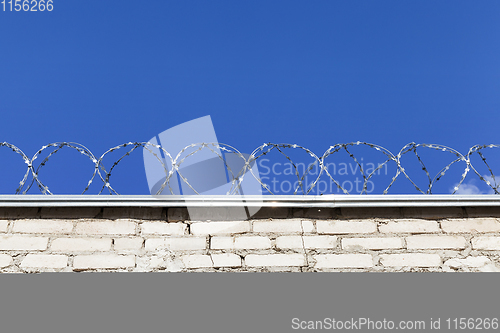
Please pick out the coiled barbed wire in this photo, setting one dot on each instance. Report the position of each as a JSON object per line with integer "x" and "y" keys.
{"x": 237, "y": 176}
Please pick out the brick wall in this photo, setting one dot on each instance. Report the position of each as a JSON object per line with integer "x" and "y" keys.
{"x": 138, "y": 240}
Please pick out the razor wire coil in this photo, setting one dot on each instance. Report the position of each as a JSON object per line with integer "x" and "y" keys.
{"x": 237, "y": 176}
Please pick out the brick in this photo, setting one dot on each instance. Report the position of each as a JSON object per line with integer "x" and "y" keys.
{"x": 346, "y": 227}
{"x": 283, "y": 226}
{"x": 410, "y": 226}
{"x": 220, "y": 228}
{"x": 156, "y": 262}
{"x": 5, "y": 260}
{"x": 4, "y": 225}
{"x": 242, "y": 242}
{"x": 486, "y": 243}
{"x": 468, "y": 262}
{"x": 103, "y": 261}
{"x": 411, "y": 259}
{"x": 80, "y": 244}
{"x": 308, "y": 227}
{"x": 435, "y": 242}
{"x": 188, "y": 243}
{"x": 44, "y": 261}
{"x": 289, "y": 242}
{"x": 197, "y": 261}
{"x": 261, "y": 260}
{"x": 163, "y": 228}
{"x": 308, "y": 242}
{"x": 176, "y": 243}
{"x": 471, "y": 226}
{"x": 42, "y": 226}
{"x": 23, "y": 243}
{"x": 134, "y": 243}
{"x": 219, "y": 243}
{"x": 372, "y": 243}
{"x": 343, "y": 261}
{"x": 119, "y": 227}
{"x": 226, "y": 260}
{"x": 142, "y": 213}
{"x": 252, "y": 242}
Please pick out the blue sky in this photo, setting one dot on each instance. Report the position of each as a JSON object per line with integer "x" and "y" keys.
{"x": 102, "y": 73}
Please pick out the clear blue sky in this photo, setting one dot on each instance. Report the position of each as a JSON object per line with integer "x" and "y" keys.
{"x": 102, "y": 73}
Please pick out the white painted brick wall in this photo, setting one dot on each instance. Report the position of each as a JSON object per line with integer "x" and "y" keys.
{"x": 220, "y": 228}
{"x": 343, "y": 261}
{"x": 117, "y": 227}
{"x": 103, "y": 261}
{"x": 33, "y": 245}
{"x": 263, "y": 260}
{"x": 374, "y": 243}
{"x": 43, "y": 226}
{"x": 486, "y": 243}
{"x": 413, "y": 226}
{"x": 411, "y": 260}
{"x": 81, "y": 244}
{"x": 45, "y": 260}
{"x": 436, "y": 242}
{"x": 20, "y": 243}
{"x": 163, "y": 228}
{"x": 346, "y": 227}
{"x": 308, "y": 242}
{"x": 471, "y": 226}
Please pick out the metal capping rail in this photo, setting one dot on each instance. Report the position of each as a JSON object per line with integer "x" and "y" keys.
{"x": 237, "y": 178}
{"x": 288, "y": 201}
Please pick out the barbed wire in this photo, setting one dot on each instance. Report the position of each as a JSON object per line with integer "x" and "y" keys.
{"x": 172, "y": 165}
